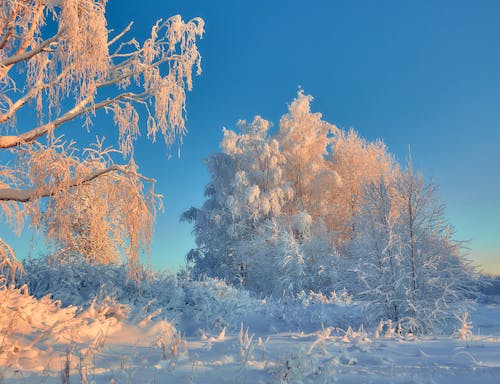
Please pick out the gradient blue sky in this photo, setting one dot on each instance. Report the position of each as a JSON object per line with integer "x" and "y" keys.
{"x": 425, "y": 73}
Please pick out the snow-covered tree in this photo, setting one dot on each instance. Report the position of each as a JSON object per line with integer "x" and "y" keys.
{"x": 409, "y": 266}
{"x": 358, "y": 163}
{"x": 246, "y": 190}
{"x": 59, "y": 63}
{"x": 305, "y": 140}
{"x": 214, "y": 255}
{"x": 265, "y": 203}
{"x": 374, "y": 259}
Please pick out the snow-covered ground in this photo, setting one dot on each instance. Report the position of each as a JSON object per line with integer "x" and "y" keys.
{"x": 43, "y": 343}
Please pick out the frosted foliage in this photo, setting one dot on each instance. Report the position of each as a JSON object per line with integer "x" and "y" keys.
{"x": 301, "y": 222}
{"x": 305, "y": 140}
{"x": 60, "y": 59}
{"x": 314, "y": 207}
{"x": 253, "y": 193}
{"x": 99, "y": 219}
{"x": 80, "y": 60}
{"x": 9, "y": 266}
{"x": 357, "y": 163}
{"x": 409, "y": 268}
{"x": 281, "y": 264}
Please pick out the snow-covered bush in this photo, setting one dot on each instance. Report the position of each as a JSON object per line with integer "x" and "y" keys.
{"x": 280, "y": 264}
{"x": 10, "y": 267}
{"x": 77, "y": 282}
{"x": 31, "y": 327}
{"x": 212, "y": 304}
{"x": 407, "y": 266}
{"x": 209, "y": 304}
{"x": 298, "y": 368}
{"x": 310, "y": 311}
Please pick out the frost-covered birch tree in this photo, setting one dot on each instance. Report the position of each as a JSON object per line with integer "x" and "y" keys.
{"x": 358, "y": 162}
{"x": 305, "y": 140}
{"x": 61, "y": 64}
{"x": 246, "y": 189}
{"x": 375, "y": 269}
{"x": 439, "y": 276}
{"x": 265, "y": 205}
{"x": 314, "y": 207}
{"x": 409, "y": 267}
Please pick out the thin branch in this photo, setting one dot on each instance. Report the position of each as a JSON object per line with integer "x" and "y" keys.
{"x": 138, "y": 71}
{"x": 9, "y": 61}
{"x": 123, "y": 55}
{"x": 120, "y": 35}
{"x": 28, "y": 38}
{"x": 19, "y": 103}
{"x": 26, "y": 195}
{"x": 78, "y": 110}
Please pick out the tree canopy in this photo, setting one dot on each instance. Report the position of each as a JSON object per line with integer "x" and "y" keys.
{"x": 59, "y": 62}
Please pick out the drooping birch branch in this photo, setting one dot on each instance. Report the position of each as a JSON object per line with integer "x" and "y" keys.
{"x": 25, "y": 195}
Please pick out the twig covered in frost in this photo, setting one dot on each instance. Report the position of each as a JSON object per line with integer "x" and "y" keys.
{"x": 246, "y": 345}
{"x": 465, "y": 330}
{"x": 263, "y": 346}
{"x": 322, "y": 336}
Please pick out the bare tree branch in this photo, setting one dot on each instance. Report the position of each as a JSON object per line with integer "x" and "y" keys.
{"x": 25, "y": 55}
{"x": 10, "y": 141}
{"x": 96, "y": 216}
{"x": 121, "y": 34}
{"x": 26, "y": 195}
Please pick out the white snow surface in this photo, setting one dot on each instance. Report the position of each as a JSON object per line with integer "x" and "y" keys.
{"x": 40, "y": 341}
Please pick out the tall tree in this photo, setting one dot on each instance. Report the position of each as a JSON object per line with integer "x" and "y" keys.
{"x": 60, "y": 59}
{"x": 305, "y": 140}
{"x": 358, "y": 163}
{"x": 246, "y": 189}
{"x": 265, "y": 204}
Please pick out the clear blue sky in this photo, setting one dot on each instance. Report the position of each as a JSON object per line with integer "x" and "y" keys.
{"x": 425, "y": 73}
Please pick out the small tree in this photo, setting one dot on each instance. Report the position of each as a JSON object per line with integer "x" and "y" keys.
{"x": 58, "y": 63}
{"x": 412, "y": 270}
{"x": 375, "y": 252}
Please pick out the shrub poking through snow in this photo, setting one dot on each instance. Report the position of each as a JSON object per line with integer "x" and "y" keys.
{"x": 297, "y": 368}
{"x": 209, "y": 304}
{"x": 246, "y": 345}
{"x": 465, "y": 330}
{"x": 32, "y": 326}
{"x": 171, "y": 342}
